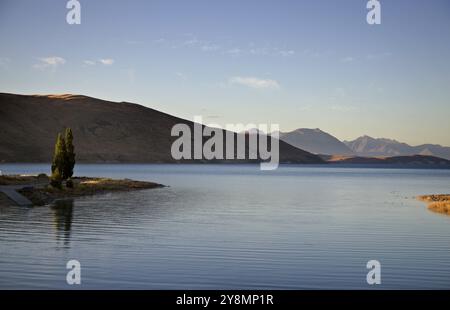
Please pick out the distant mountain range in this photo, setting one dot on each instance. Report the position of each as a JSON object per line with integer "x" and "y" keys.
{"x": 410, "y": 161}
{"x": 104, "y": 131}
{"x": 369, "y": 147}
{"x": 317, "y": 141}
{"x": 125, "y": 132}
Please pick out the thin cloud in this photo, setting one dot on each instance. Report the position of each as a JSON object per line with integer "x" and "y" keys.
{"x": 234, "y": 52}
{"x": 160, "y": 40}
{"x": 305, "y": 108}
{"x": 89, "y": 62}
{"x": 224, "y": 48}
{"x": 254, "y": 82}
{"x": 261, "y": 51}
{"x": 286, "y": 53}
{"x": 210, "y": 47}
{"x": 270, "y": 51}
{"x": 191, "y": 42}
{"x": 181, "y": 76}
{"x": 107, "y": 61}
{"x": 347, "y": 59}
{"x": 49, "y": 62}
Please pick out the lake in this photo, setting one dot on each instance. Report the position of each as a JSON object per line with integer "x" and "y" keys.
{"x": 233, "y": 227}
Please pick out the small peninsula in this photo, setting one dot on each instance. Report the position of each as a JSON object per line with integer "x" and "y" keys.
{"x": 39, "y": 192}
{"x": 29, "y": 190}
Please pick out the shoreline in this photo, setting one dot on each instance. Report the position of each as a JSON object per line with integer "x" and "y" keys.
{"x": 240, "y": 163}
{"x": 37, "y": 190}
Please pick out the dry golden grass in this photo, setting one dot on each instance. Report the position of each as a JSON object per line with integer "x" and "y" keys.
{"x": 83, "y": 186}
{"x": 431, "y": 198}
{"x": 99, "y": 184}
{"x": 18, "y": 179}
{"x": 60, "y": 96}
{"x": 437, "y": 203}
{"x": 440, "y": 207}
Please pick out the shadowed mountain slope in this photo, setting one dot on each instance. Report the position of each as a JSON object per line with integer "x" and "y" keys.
{"x": 104, "y": 131}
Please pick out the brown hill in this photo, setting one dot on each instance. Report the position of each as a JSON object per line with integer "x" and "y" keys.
{"x": 104, "y": 131}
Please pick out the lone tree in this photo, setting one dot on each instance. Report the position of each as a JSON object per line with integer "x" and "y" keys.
{"x": 63, "y": 158}
{"x": 56, "y": 180}
{"x": 70, "y": 155}
{"x": 59, "y": 156}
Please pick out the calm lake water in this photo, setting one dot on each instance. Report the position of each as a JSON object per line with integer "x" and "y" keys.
{"x": 234, "y": 227}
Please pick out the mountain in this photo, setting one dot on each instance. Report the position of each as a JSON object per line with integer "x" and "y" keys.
{"x": 412, "y": 160}
{"x": 104, "y": 131}
{"x": 315, "y": 141}
{"x": 434, "y": 150}
{"x": 368, "y": 146}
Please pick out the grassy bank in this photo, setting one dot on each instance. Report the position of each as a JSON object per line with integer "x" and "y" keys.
{"x": 23, "y": 179}
{"x": 437, "y": 203}
{"x": 39, "y": 192}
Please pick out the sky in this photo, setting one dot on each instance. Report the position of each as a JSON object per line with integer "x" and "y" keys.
{"x": 299, "y": 64}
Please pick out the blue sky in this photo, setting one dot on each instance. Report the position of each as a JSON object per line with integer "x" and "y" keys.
{"x": 314, "y": 64}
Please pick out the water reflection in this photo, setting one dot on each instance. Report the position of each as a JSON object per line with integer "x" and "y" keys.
{"x": 229, "y": 227}
{"x": 62, "y": 217}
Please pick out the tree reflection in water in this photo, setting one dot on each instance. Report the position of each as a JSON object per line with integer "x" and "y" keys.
{"x": 62, "y": 217}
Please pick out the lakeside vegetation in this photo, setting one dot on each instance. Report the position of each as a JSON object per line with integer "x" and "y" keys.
{"x": 437, "y": 203}
{"x": 63, "y": 160}
{"x": 42, "y": 189}
{"x": 7, "y": 180}
{"x": 39, "y": 191}
{"x": 83, "y": 186}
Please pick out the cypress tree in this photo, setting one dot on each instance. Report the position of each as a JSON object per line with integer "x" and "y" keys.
{"x": 55, "y": 179}
{"x": 59, "y": 158}
{"x": 70, "y": 155}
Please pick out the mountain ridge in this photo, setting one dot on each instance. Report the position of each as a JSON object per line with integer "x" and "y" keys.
{"x": 372, "y": 147}
{"x": 315, "y": 141}
{"x": 104, "y": 131}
